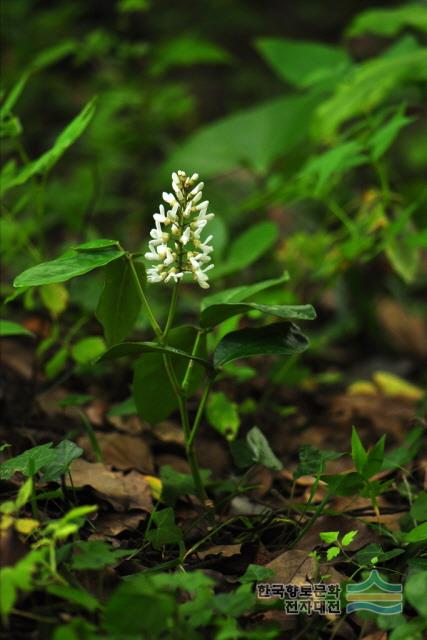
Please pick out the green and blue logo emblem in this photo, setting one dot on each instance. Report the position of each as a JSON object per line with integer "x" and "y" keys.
{"x": 374, "y": 594}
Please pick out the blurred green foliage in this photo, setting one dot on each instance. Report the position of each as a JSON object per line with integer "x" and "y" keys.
{"x": 311, "y": 127}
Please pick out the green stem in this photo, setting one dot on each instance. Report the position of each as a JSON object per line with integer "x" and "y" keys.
{"x": 199, "y": 414}
{"x": 172, "y": 310}
{"x": 343, "y": 217}
{"x": 195, "y": 472}
{"x": 313, "y": 518}
{"x": 186, "y": 380}
{"x": 383, "y": 180}
{"x": 155, "y": 325}
{"x": 189, "y": 434}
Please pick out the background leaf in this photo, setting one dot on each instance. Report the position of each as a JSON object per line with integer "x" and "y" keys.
{"x": 303, "y": 63}
{"x": 247, "y": 248}
{"x": 45, "y": 162}
{"x": 388, "y": 22}
{"x": 223, "y": 415}
{"x": 254, "y": 137}
{"x": 8, "y": 328}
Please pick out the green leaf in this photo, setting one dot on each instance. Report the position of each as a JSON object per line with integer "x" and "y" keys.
{"x": 280, "y": 338}
{"x": 416, "y": 590}
{"x": 96, "y": 245}
{"x": 41, "y": 60}
{"x": 368, "y": 86}
{"x": 154, "y": 397}
{"x": 374, "y": 459}
{"x": 235, "y": 603}
{"x": 18, "y": 577}
{"x": 329, "y": 536}
{"x": 120, "y": 303}
{"x": 55, "y": 298}
{"x": 187, "y": 50}
{"x": 388, "y": 22}
{"x": 404, "y": 258}
{"x": 65, "y": 452}
{"x": 176, "y": 484}
{"x": 29, "y": 462}
{"x": 332, "y": 553}
{"x": 383, "y": 137}
{"x": 254, "y": 137}
{"x": 358, "y": 453}
{"x": 303, "y": 63}
{"x": 78, "y": 596}
{"x": 67, "y": 266}
{"x": 56, "y": 363}
{"x": 261, "y": 450}
{"x": 159, "y": 612}
{"x": 217, "y": 313}
{"x": 256, "y": 573}
{"x": 254, "y": 449}
{"x": 223, "y": 415}
{"x": 95, "y": 554}
{"x": 8, "y": 328}
{"x": 316, "y": 175}
{"x": 312, "y": 460}
{"x": 135, "y": 349}
{"x": 24, "y": 494}
{"x": 247, "y": 248}
{"x": 51, "y": 157}
{"x": 88, "y": 349}
{"x": 347, "y": 484}
{"x": 401, "y": 456}
{"x": 418, "y": 534}
{"x": 348, "y": 538}
{"x": 419, "y": 507}
{"x": 239, "y": 294}
{"x": 166, "y": 531}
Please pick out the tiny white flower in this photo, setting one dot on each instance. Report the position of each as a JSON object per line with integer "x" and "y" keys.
{"x": 186, "y": 236}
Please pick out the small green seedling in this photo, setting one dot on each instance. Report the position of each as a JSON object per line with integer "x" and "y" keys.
{"x": 337, "y": 545}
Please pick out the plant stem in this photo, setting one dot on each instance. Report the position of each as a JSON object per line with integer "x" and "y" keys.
{"x": 186, "y": 379}
{"x": 199, "y": 414}
{"x": 189, "y": 434}
{"x": 155, "y": 325}
{"x": 172, "y": 309}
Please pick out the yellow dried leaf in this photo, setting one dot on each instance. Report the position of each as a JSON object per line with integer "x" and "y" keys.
{"x": 155, "y": 486}
{"x": 26, "y": 525}
{"x": 5, "y": 522}
{"x": 362, "y": 387}
{"x": 391, "y": 385}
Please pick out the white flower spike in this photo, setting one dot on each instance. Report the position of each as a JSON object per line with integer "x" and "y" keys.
{"x": 176, "y": 247}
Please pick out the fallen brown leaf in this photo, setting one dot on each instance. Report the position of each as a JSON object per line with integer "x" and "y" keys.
{"x": 123, "y": 492}
{"x": 376, "y": 635}
{"x": 384, "y": 414}
{"x": 121, "y": 451}
{"x": 337, "y": 523}
{"x": 112, "y": 524}
{"x": 225, "y": 550}
{"x": 407, "y": 332}
{"x": 168, "y": 431}
{"x": 293, "y": 567}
